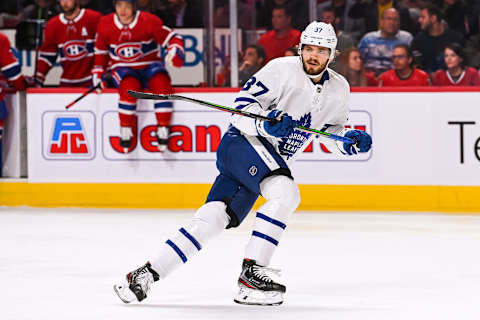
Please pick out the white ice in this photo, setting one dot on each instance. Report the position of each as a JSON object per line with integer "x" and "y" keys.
{"x": 62, "y": 263}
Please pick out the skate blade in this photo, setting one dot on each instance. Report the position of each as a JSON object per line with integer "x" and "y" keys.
{"x": 124, "y": 293}
{"x": 248, "y": 296}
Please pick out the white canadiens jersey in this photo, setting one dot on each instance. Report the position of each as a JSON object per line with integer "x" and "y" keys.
{"x": 283, "y": 85}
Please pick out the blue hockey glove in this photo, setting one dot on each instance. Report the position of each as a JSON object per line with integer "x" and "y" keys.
{"x": 363, "y": 142}
{"x": 282, "y": 128}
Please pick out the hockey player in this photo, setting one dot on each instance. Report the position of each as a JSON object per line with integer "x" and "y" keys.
{"x": 254, "y": 158}
{"x": 71, "y": 35}
{"x": 128, "y": 43}
{"x": 11, "y": 71}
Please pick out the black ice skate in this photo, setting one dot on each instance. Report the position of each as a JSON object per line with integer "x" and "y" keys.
{"x": 137, "y": 285}
{"x": 256, "y": 287}
{"x": 162, "y": 138}
{"x": 126, "y": 137}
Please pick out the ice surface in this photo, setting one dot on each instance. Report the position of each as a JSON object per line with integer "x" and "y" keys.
{"x": 62, "y": 263}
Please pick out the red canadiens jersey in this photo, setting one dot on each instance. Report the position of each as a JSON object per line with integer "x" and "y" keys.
{"x": 469, "y": 77}
{"x": 9, "y": 66}
{"x": 391, "y": 79}
{"x": 135, "y": 45}
{"x": 72, "y": 40}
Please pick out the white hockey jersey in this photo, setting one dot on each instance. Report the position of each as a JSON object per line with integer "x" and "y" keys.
{"x": 283, "y": 85}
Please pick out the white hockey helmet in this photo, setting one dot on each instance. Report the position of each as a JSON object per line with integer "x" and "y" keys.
{"x": 319, "y": 34}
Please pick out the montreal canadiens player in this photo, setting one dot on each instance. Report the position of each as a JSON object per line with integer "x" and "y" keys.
{"x": 254, "y": 158}
{"x": 128, "y": 43}
{"x": 10, "y": 74}
{"x": 70, "y": 35}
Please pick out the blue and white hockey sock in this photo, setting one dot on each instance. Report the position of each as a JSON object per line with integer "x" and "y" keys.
{"x": 283, "y": 198}
{"x": 209, "y": 221}
{"x": 266, "y": 235}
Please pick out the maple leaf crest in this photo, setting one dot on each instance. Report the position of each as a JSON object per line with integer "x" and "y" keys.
{"x": 289, "y": 145}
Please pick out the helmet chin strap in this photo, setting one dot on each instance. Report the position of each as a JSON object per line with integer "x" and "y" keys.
{"x": 314, "y": 76}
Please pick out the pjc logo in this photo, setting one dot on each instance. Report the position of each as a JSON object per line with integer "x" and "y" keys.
{"x": 75, "y": 49}
{"x": 69, "y": 137}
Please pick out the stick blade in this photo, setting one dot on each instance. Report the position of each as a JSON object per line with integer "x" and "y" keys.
{"x": 151, "y": 96}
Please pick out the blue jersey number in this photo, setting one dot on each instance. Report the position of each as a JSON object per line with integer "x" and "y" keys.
{"x": 253, "y": 81}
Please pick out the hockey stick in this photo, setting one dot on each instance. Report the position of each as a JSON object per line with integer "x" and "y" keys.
{"x": 151, "y": 96}
{"x": 98, "y": 86}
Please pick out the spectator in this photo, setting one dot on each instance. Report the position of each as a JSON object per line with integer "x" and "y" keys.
{"x": 377, "y": 46}
{"x": 253, "y": 59}
{"x": 222, "y": 15}
{"x": 70, "y": 34}
{"x": 473, "y": 16}
{"x": 351, "y": 67}
{"x": 428, "y": 44}
{"x": 183, "y": 14}
{"x": 414, "y": 12}
{"x": 291, "y": 52}
{"x": 282, "y": 37}
{"x": 455, "y": 15}
{"x": 472, "y": 50}
{"x": 456, "y": 73}
{"x": 374, "y": 12}
{"x": 41, "y": 9}
{"x": 11, "y": 71}
{"x": 297, "y": 9}
{"x": 403, "y": 73}
{"x": 350, "y": 19}
{"x": 344, "y": 39}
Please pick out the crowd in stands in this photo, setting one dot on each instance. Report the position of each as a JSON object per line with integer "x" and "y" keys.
{"x": 380, "y": 42}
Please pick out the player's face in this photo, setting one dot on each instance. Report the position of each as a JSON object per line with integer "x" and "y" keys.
{"x": 452, "y": 60}
{"x": 314, "y": 58}
{"x": 124, "y": 11}
{"x": 355, "y": 61}
{"x": 401, "y": 61}
{"x": 68, "y": 6}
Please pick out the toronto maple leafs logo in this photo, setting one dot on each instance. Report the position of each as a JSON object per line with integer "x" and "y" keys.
{"x": 288, "y": 146}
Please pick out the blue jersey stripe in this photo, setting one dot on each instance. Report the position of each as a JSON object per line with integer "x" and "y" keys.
{"x": 12, "y": 71}
{"x": 191, "y": 238}
{"x": 264, "y": 236}
{"x": 90, "y": 47}
{"x": 50, "y": 58}
{"x": 271, "y": 220}
{"x": 177, "y": 250}
{"x": 127, "y": 107}
{"x": 245, "y": 99}
{"x": 163, "y": 104}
